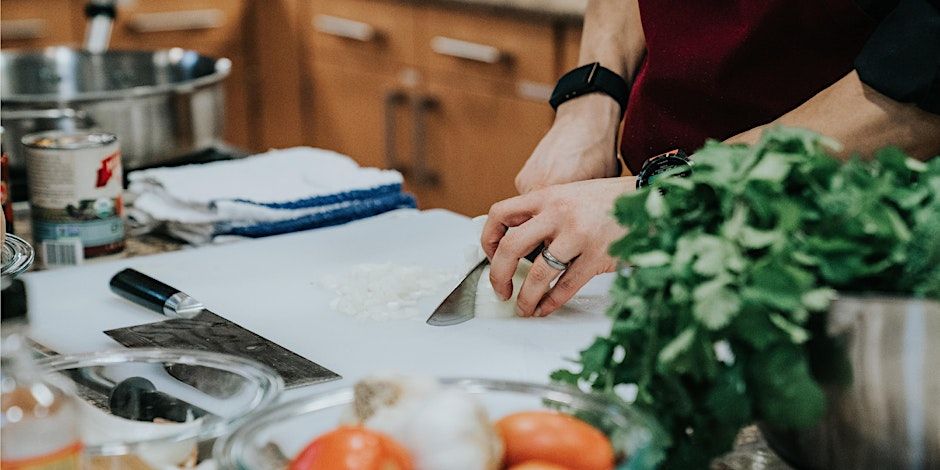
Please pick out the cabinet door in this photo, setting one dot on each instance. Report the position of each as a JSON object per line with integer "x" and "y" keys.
{"x": 474, "y": 145}
{"x": 361, "y": 114}
{"x": 570, "y": 48}
{"x": 212, "y": 27}
{"x": 277, "y": 76}
{"x": 30, "y": 24}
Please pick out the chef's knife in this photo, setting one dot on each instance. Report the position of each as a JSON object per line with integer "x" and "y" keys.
{"x": 193, "y": 326}
{"x": 460, "y": 304}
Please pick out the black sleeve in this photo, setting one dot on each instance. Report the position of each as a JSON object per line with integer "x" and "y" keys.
{"x": 901, "y": 59}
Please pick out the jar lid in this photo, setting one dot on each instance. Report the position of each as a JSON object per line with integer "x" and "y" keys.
{"x": 66, "y": 140}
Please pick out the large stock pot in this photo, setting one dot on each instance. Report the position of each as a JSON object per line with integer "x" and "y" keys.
{"x": 879, "y": 368}
{"x": 161, "y": 104}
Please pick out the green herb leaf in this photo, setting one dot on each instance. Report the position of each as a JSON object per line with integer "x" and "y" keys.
{"x": 715, "y": 304}
{"x": 678, "y": 345}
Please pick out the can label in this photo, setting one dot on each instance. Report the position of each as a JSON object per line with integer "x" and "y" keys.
{"x": 75, "y": 195}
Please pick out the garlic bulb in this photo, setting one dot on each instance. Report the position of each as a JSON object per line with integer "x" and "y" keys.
{"x": 443, "y": 428}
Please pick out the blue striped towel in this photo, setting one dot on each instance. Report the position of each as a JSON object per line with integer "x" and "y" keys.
{"x": 276, "y": 192}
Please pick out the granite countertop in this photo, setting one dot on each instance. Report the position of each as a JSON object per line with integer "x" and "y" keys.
{"x": 750, "y": 450}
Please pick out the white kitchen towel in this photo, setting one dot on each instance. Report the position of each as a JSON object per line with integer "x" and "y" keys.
{"x": 275, "y": 192}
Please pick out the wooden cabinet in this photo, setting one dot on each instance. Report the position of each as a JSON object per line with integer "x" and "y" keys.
{"x": 274, "y": 56}
{"x": 475, "y": 144}
{"x": 359, "y": 113}
{"x": 27, "y": 24}
{"x": 570, "y": 48}
{"x": 456, "y": 100}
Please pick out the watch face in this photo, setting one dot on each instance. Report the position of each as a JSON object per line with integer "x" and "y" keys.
{"x": 661, "y": 164}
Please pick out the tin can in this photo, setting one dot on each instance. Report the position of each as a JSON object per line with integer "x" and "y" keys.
{"x": 75, "y": 186}
{"x": 5, "y": 196}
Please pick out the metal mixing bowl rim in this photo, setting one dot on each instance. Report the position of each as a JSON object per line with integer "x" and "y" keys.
{"x": 881, "y": 295}
{"x": 222, "y": 66}
{"x": 270, "y": 385}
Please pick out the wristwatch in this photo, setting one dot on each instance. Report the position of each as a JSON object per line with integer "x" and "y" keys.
{"x": 591, "y": 78}
{"x": 662, "y": 163}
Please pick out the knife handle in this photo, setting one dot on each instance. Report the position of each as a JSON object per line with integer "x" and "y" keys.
{"x": 154, "y": 295}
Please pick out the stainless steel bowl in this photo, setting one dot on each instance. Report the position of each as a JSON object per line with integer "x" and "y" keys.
{"x": 885, "y": 412}
{"x": 160, "y": 104}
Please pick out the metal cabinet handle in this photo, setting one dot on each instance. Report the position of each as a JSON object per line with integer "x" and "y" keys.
{"x": 185, "y": 20}
{"x": 13, "y": 30}
{"x": 466, "y": 50}
{"x": 423, "y": 174}
{"x": 344, "y": 28}
{"x": 392, "y": 100}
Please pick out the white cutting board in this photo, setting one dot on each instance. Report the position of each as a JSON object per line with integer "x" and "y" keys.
{"x": 270, "y": 287}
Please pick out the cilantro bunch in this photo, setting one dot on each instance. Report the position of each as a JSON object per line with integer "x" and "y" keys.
{"x": 730, "y": 270}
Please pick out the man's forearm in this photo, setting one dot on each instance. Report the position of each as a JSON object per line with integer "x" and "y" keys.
{"x": 862, "y": 119}
{"x": 613, "y": 36}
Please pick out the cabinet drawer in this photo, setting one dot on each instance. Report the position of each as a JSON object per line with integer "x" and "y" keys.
{"x": 208, "y": 24}
{"x": 482, "y": 45}
{"x": 37, "y": 23}
{"x": 372, "y": 33}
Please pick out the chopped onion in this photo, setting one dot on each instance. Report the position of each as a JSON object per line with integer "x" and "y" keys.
{"x": 488, "y": 305}
{"x": 384, "y": 291}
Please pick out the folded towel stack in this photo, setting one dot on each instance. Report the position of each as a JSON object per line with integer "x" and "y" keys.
{"x": 267, "y": 194}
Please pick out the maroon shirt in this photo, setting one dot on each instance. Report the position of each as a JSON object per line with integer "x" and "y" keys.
{"x": 714, "y": 69}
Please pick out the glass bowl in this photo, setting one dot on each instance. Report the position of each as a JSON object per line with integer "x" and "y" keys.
{"x": 269, "y": 439}
{"x": 155, "y": 406}
{"x": 17, "y": 256}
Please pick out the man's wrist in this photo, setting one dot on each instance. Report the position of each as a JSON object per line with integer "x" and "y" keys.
{"x": 595, "y": 107}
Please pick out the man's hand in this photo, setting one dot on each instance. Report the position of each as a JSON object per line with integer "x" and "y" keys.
{"x": 579, "y": 146}
{"x": 573, "y": 220}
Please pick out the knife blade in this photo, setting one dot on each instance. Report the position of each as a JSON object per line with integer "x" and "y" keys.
{"x": 460, "y": 304}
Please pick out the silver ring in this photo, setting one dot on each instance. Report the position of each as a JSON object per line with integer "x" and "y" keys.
{"x": 553, "y": 261}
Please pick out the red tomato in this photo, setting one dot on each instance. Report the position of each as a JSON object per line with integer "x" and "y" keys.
{"x": 353, "y": 448}
{"x": 536, "y": 465}
{"x": 556, "y": 438}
